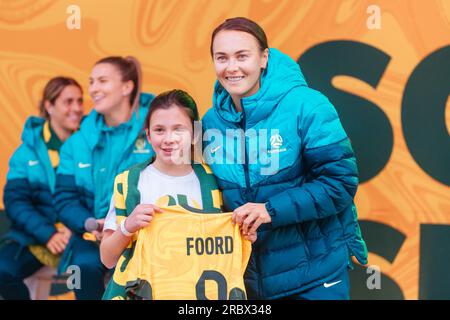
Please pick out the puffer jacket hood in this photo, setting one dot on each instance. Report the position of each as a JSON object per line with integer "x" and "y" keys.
{"x": 32, "y": 130}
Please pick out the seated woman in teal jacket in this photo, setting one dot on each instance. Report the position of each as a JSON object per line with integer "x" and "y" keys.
{"x": 110, "y": 139}
{"x": 291, "y": 178}
{"x": 35, "y": 238}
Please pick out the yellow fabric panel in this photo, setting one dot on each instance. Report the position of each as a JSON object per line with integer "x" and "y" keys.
{"x": 46, "y": 132}
{"x": 217, "y": 198}
{"x": 166, "y": 257}
{"x": 54, "y": 157}
{"x": 44, "y": 255}
{"x": 196, "y": 204}
{"x": 119, "y": 276}
{"x": 207, "y": 168}
{"x": 119, "y": 199}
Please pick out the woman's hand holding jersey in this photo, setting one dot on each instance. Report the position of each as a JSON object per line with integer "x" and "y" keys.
{"x": 251, "y": 237}
{"x": 249, "y": 217}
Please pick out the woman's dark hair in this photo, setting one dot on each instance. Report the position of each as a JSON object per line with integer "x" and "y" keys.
{"x": 130, "y": 69}
{"x": 175, "y": 97}
{"x": 52, "y": 91}
{"x": 244, "y": 25}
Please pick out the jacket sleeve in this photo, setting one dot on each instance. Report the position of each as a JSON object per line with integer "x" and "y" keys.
{"x": 330, "y": 167}
{"x": 67, "y": 198}
{"x": 19, "y": 202}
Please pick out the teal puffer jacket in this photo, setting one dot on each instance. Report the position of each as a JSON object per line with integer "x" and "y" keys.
{"x": 289, "y": 151}
{"x": 28, "y": 194}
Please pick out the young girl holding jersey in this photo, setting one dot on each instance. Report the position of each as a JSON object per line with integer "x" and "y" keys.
{"x": 168, "y": 179}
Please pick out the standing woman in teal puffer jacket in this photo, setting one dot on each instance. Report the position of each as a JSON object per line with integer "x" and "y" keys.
{"x": 110, "y": 139}
{"x": 35, "y": 239}
{"x": 292, "y": 176}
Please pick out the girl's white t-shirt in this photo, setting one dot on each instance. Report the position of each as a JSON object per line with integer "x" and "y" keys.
{"x": 153, "y": 184}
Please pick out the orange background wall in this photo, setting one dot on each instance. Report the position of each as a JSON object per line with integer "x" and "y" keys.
{"x": 172, "y": 38}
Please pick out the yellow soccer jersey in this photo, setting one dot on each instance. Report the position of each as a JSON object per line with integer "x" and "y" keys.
{"x": 184, "y": 255}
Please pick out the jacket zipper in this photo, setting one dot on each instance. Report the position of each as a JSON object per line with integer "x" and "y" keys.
{"x": 247, "y": 177}
{"x": 243, "y": 125}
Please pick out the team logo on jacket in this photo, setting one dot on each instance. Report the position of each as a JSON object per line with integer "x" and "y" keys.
{"x": 276, "y": 142}
{"x": 140, "y": 146}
